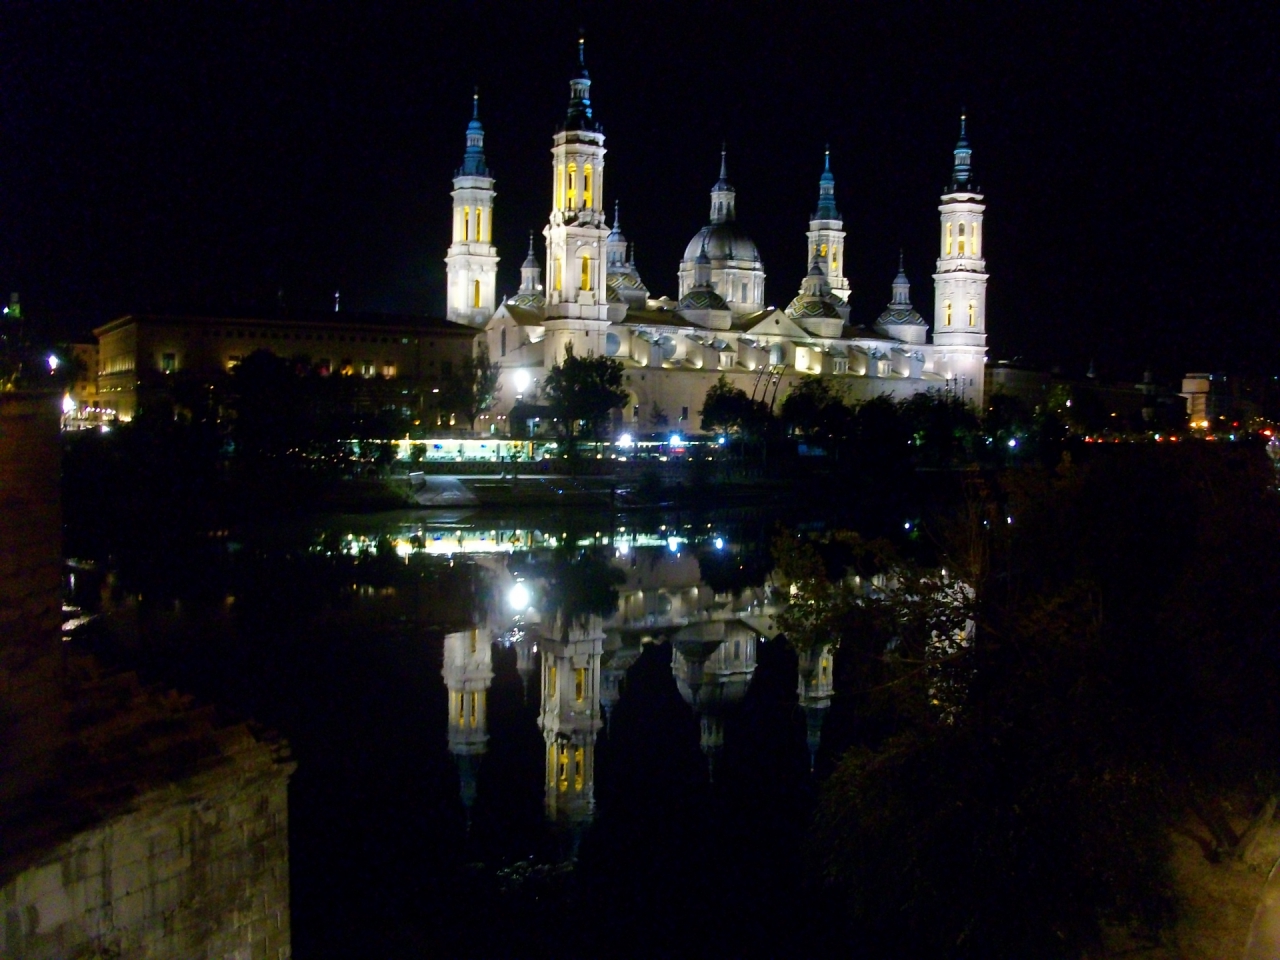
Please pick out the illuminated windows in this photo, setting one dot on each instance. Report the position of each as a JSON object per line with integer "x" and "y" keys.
{"x": 579, "y": 769}
{"x": 579, "y": 684}
{"x": 947, "y": 248}
{"x": 559, "y": 276}
{"x": 466, "y": 224}
{"x": 560, "y": 186}
{"x": 973, "y": 238}
{"x": 562, "y": 768}
{"x": 946, "y": 313}
{"x": 551, "y": 681}
{"x": 960, "y": 240}
{"x": 475, "y": 700}
{"x": 586, "y": 272}
{"x": 586, "y": 186}
{"x": 973, "y": 313}
{"x": 476, "y": 294}
{"x": 823, "y": 254}
{"x": 573, "y": 187}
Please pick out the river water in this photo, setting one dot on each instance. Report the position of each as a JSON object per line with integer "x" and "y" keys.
{"x": 517, "y": 735}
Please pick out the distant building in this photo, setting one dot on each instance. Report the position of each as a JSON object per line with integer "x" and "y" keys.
{"x": 138, "y": 352}
{"x": 594, "y": 300}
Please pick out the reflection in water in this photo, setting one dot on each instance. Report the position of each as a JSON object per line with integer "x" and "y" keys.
{"x": 468, "y": 672}
{"x": 584, "y": 608}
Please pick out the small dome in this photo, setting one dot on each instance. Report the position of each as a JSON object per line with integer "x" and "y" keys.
{"x": 807, "y": 306}
{"x": 723, "y": 241}
{"x": 906, "y": 317}
{"x": 533, "y": 300}
{"x": 702, "y": 298}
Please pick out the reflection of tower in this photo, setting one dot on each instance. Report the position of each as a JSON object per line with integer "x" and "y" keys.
{"x": 467, "y": 672}
{"x": 570, "y": 719}
{"x": 621, "y": 651}
{"x": 814, "y": 688}
{"x": 713, "y": 663}
{"x": 526, "y": 650}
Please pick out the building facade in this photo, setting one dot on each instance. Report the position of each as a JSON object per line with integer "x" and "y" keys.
{"x": 594, "y": 301}
{"x": 137, "y": 352}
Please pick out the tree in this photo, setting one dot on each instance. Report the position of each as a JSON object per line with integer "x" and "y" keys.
{"x": 728, "y": 408}
{"x": 473, "y": 387}
{"x": 581, "y": 391}
{"x": 658, "y": 417}
{"x": 815, "y": 410}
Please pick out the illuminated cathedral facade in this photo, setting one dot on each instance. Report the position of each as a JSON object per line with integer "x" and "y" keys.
{"x": 592, "y": 299}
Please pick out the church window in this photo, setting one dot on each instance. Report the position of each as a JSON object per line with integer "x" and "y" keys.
{"x": 744, "y": 291}
{"x": 462, "y": 698}
{"x": 973, "y": 239}
{"x": 476, "y": 294}
{"x": 560, "y": 185}
{"x": 960, "y": 239}
{"x": 573, "y": 186}
{"x": 946, "y": 313}
{"x": 579, "y": 769}
{"x": 466, "y": 223}
{"x": 551, "y": 682}
{"x": 823, "y": 254}
{"x": 586, "y": 272}
{"x": 475, "y": 697}
{"x": 973, "y": 314}
{"x": 586, "y": 186}
{"x": 579, "y": 684}
{"x": 502, "y": 341}
{"x": 947, "y": 249}
{"x": 559, "y": 281}
{"x": 562, "y": 769}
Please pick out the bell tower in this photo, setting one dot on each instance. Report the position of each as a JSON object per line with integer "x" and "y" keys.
{"x": 960, "y": 284}
{"x": 826, "y": 233}
{"x": 576, "y": 231}
{"x": 472, "y": 261}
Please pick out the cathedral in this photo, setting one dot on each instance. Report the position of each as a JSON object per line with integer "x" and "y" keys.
{"x": 594, "y": 301}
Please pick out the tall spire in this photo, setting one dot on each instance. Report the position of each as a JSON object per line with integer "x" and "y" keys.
{"x": 826, "y": 191}
{"x": 961, "y": 174}
{"x": 579, "y": 115}
{"x": 530, "y": 272}
{"x": 473, "y": 162}
{"x": 616, "y": 232}
{"x": 722, "y": 194}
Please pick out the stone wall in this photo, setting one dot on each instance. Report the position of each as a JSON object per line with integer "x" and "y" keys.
{"x": 193, "y": 869}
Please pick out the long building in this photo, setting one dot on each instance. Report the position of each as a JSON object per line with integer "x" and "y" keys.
{"x": 139, "y": 351}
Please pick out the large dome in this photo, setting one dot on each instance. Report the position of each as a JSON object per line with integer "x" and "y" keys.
{"x": 808, "y": 306}
{"x": 724, "y": 241}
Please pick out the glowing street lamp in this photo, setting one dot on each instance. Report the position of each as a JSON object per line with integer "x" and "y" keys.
{"x": 522, "y": 380}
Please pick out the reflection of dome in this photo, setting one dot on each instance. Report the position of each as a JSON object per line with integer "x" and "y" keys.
{"x": 807, "y": 306}
{"x": 724, "y": 241}
{"x": 534, "y": 300}
{"x": 702, "y": 298}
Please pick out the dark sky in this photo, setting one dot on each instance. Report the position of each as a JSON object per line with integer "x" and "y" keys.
{"x": 197, "y": 156}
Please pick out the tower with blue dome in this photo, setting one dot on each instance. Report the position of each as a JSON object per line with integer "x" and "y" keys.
{"x": 826, "y": 233}
{"x": 960, "y": 283}
{"x": 471, "y": 265}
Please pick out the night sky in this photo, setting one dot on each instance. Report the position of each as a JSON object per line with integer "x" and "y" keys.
{"x": 204, "y": 156}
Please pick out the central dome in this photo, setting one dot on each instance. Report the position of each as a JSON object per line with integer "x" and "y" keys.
{"x": 724, "y": 241}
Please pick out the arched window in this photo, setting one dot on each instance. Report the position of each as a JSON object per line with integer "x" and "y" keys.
{"x": 947, "y": 249}
{"x": 960, "y": 240}
{"x": 946, "y": 313}
{"x": 481, "y": 232}
{"x": 586, "y": 186}
{"x": 973, "y": 314}
{"x": 586, "y": 272}
{"x": 475, "y": 295}
{"x": 573, "y": 187}
{"x": 823, "y": 254}
{"x": 466, "y": 224}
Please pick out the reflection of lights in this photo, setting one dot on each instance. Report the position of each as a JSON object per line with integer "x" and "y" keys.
{"x": 1013, "y": 441}
{"x": 68, "y": 405}
{"x": 719, "y": 543}
{"x": 676, "y": 440}
{"x": 673, "y": 544}
{"x": 53, "y": 363}
{"x": 518, "y": 598}
{"x": 521, "y": 379}
{"x": 906, "y": 525}
{"x": 623, "y": 548}
{"x": 722, "y": 441}
{"x": 626, "y": 441}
